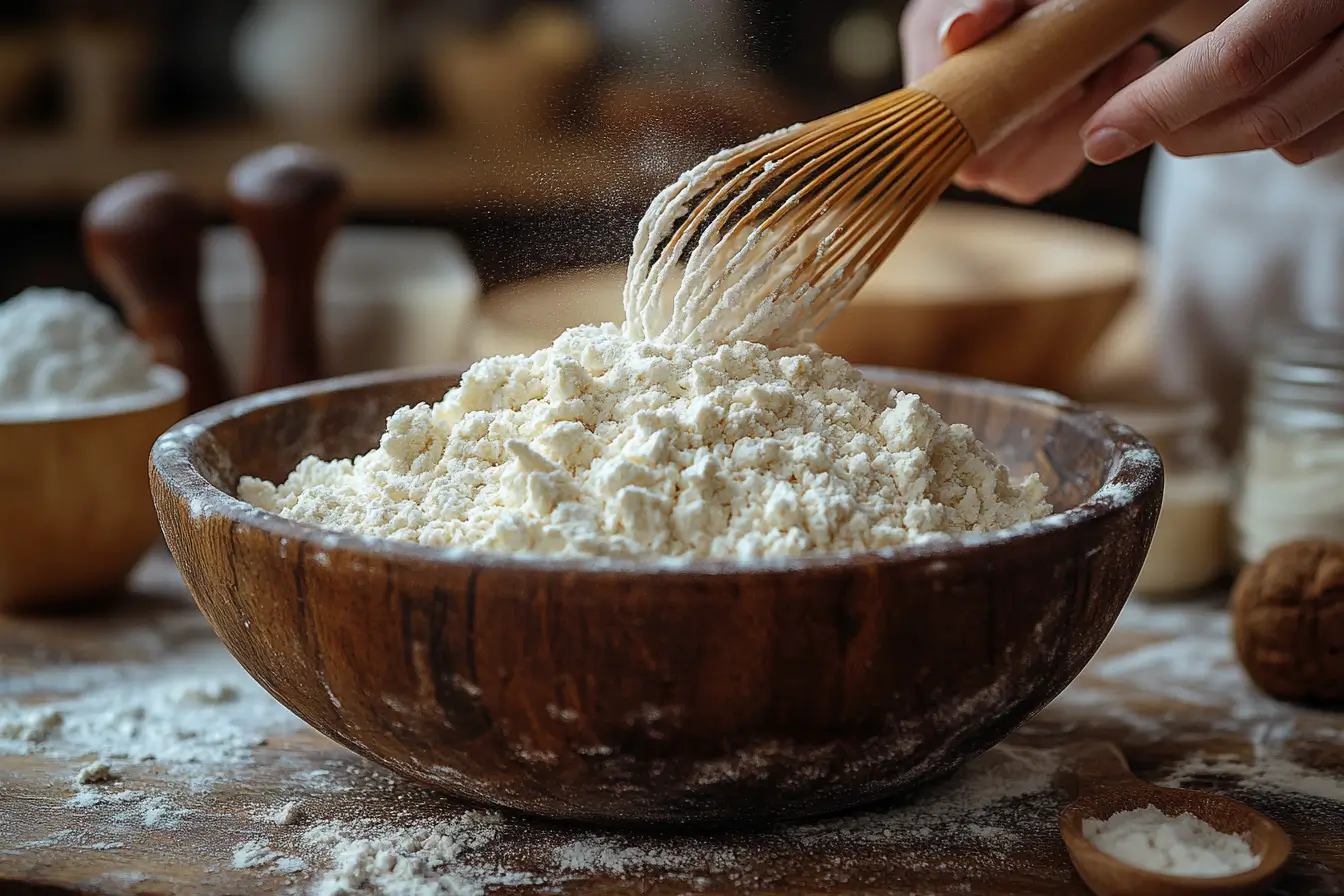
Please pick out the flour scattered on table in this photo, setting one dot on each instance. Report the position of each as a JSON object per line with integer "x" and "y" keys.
{"x": 88, "y": 797}
{"x": 285, "y": 814}
{"x": 30, "y": 726}
{"x": 1270, "y": 767}
{"x": 183, "y": 715}
{"x": 1182, "y": 656}
{"x": 466, "y": 853}
{"x": 423, "y": 860}
{"x": 259, "y": 854}
{"x": 131, "y": 806}
{"x": 193, "y": 707}
{"x": 94, "y": 773}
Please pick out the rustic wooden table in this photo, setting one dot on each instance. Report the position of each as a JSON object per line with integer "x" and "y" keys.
{"x": 240, "y": 797}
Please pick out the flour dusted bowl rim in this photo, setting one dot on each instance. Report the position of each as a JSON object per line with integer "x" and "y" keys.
{"x": 1136, "y": 468}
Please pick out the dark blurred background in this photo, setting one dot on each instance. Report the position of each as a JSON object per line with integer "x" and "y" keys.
{"x": 538, "y": 133}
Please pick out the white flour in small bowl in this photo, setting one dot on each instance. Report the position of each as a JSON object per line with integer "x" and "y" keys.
{"x": 63, "y": 353}
{"x": 1181, "y": 845}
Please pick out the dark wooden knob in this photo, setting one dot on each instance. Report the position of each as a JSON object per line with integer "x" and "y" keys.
{"x": 290, "y": 199}
{"x": 142, "y": 238}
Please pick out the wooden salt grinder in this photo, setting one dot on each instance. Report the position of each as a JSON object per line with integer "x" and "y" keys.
{"x": 290, "y": 200}
{"x": 142, "y": 238}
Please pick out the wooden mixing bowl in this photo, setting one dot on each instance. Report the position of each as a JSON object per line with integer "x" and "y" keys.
{"x": 1004, "y": 294}
{"x": 618, "y": 692}
{"x": 75, "y": 511}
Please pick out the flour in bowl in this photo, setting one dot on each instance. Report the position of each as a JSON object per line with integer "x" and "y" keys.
{"x": 1180, "y": 845}
{"x": 601, "y": 445}
{"x": 61, "y": 348}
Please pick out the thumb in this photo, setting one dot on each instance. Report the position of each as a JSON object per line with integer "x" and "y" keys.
{"x": 1130, "y": 122}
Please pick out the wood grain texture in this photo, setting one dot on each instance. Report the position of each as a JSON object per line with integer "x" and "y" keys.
{"x": 75, "y": 510}
{"x": 1192, "y": 720}
{"x": 711, "y": 695}
{"x": 1100, "y": 777}
{"x": 1002, "y": 82}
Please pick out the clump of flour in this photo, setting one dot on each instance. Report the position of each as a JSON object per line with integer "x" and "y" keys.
{"x": 65, "y": 348}
{"x": 98, "y": 772}
{"x": 431, "y": 859}
{"x": 603, "y": 446}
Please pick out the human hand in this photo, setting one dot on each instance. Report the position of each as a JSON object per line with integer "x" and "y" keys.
{"x": 1271, "y": 76}
{"x": 1044, "y": 155}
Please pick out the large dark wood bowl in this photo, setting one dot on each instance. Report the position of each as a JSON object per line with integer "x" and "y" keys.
{"x": 619, "y": 693}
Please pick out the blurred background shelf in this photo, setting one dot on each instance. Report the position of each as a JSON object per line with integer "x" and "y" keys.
{"x": 389, "y": 173}
{"x": 534, "y": 131}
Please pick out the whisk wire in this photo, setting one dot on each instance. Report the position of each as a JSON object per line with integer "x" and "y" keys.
{"x": 769, "y": 240}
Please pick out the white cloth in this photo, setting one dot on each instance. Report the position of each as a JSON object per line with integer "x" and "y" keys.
{"x": 1234, "y": 240}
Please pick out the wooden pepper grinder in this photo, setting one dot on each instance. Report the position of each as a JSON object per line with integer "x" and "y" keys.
{"x": 142, "y": 238}
{"x": 290, "y": 200}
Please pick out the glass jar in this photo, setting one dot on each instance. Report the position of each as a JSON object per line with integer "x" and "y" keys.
{"x": 1291, "y": 465}
{"x": 1190, "y": 545}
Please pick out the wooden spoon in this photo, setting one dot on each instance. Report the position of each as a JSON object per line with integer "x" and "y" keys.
{"x": 290, "y": 200}
{"x": 1099, "y": 779}
{"x": 142, "y": 237}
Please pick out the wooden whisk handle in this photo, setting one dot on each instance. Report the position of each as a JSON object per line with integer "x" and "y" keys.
{"x": 142, "y": 238}
{"x": 290, "y": 200}
{"x": 997, "y": 85}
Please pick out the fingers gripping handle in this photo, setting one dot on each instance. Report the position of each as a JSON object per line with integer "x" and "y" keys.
{"x": 999, "y": 84}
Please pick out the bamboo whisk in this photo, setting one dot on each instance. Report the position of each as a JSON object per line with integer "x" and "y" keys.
{"x": 769, "y": 240}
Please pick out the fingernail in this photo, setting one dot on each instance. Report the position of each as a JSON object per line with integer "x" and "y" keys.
{"x": 1108, "y": 145}
{"x": 958, "y": 18}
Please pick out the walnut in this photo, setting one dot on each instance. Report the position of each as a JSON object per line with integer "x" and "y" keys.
{"x": 1288, "y": 622}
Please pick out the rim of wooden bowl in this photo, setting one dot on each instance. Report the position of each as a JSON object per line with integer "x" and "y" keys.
{"x": 1136, "y": 469}
{"x": 170, "y": 386}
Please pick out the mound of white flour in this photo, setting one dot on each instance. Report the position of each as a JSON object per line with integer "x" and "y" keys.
{"x": 599, "y": 445}
{"x": 65, "y": 348}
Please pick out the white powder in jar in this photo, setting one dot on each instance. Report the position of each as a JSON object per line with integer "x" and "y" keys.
{"x": 1181, "y": 845}
{"x": 604, "y": 446}
{"x": 1289, "y": 490}
{"x": 1189, "y": 547}
{"x": 61, "y": 348}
